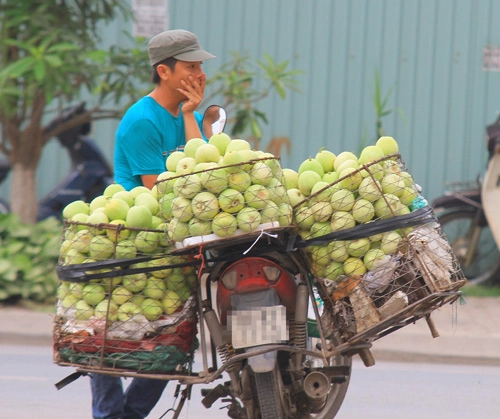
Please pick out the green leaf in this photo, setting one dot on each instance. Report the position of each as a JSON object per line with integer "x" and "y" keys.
{"x": 32, "y": 251}
{"x": 18, "y": 68}
{"x": 10, "y": 275}
{"x": 256, "y": 129}
{"x": 51, "y": 247}
{"x": 97, "y": 55}
{"x": 5, "y": 265}
{"x": 22, "y": 261}
{"x": 53, "y": 60}
{"x": 9, "y": 91}
{"x": 281, "y": 90}
{"x": 63, "y": 47}
{"x": 39, "y": 70}
{"x": 262, "y": 116}
{"x": 7, "y": 219}
{"x": 17, "y": 43}
{"x": 36, "y": 274}
{"x": 14, "y": 248}
{"x": 22, "y": 232}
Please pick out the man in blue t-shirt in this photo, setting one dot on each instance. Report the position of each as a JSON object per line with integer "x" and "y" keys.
{"x": 167, "y": 117}
{"x": 148, "y": 132}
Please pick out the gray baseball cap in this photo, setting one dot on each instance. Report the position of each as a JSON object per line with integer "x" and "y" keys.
{"x": 177, "y": 43}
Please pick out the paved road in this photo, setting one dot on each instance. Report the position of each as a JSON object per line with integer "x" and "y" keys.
{"x": 388, "y": 390}
{"x": 464, "y": 388}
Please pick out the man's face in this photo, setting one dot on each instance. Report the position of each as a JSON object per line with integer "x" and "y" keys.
{"x": 190, "y": 72}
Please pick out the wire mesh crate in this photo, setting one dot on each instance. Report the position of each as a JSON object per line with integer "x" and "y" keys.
{"x": 376, "y": 250}
{"x": 125, "y": 303}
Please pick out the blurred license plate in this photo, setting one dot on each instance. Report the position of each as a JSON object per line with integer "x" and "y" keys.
{"x": 258, "y": 326}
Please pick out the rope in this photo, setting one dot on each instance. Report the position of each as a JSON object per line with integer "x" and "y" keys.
{"x": 202, "y": 258}
{"x": 262, "y": 232}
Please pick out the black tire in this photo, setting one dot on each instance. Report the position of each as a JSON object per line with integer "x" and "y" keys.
{"x": 268, "y": 395}
{"x": 485, "y": 264}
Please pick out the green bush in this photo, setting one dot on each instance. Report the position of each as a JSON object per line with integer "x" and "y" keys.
{"x": 28, "y": 259}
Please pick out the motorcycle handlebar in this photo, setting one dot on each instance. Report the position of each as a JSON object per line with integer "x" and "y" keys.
{"x": 66, "y": 115}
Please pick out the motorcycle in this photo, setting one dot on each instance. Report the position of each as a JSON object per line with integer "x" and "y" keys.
{"x": 259, "y": 321}
{"x": 89, "y": 173}
{"x": 262, "y": 304}
{"x": 467, "y": 214}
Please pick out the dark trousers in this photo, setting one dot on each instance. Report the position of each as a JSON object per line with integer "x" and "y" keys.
{"x": 110, "y": 402}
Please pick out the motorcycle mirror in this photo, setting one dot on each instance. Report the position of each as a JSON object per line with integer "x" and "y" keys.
{"x": 214, "y": 120}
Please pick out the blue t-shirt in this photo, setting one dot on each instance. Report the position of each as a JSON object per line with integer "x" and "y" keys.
{"x": 145, "y": 137}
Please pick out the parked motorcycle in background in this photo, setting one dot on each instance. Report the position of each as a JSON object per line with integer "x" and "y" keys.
{"x": 89, "y": 173}
{"x": 468, "y": 214}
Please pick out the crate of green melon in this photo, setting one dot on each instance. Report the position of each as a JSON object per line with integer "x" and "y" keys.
{"x": 219, "y": 190}
{"x": 125, "y": 303}
{"x": 375, "y": 247}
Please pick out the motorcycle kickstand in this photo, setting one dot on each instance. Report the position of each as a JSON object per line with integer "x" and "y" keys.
{"x": 185, "y": 394}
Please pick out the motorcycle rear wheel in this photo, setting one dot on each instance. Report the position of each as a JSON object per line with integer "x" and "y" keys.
{"x": 485, "y": 265}
{"x": 269, "y": 396}
{"x": 338, "y": 391}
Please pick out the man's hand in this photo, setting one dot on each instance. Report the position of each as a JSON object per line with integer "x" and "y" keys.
{"x": 193, "y": 89}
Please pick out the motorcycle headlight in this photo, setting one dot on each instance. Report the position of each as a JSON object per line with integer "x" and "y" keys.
{"x": 230, "y": 280}
{"x": 271, "y": 273}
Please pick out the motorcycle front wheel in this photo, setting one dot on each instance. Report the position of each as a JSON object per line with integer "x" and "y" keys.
{"x": 484, "y": 266}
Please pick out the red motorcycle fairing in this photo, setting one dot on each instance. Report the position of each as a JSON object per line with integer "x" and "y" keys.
{"x": 250, "y": 275}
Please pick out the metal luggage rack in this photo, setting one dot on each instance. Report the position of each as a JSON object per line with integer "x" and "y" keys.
{"x": 410, "y": 314}
{"x": 232, "y": 240}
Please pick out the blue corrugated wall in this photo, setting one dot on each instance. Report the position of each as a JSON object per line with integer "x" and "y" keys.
{"x": 427, "y": 52}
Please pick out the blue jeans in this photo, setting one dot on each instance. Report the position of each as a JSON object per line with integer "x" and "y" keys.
{"x": 110, "y": 402}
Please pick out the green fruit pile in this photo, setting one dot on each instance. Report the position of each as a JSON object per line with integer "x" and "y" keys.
{"x": 122, "y": 298}
{"x": 116, "y": 225}
{"x": 221, "y": 187}
{"x": 121, "y": 224}
{"x": 330, "y": 193}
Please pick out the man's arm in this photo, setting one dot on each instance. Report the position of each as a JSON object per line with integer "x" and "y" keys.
{"x": 149, "y": 180}
{"x": 191, "y": 127}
